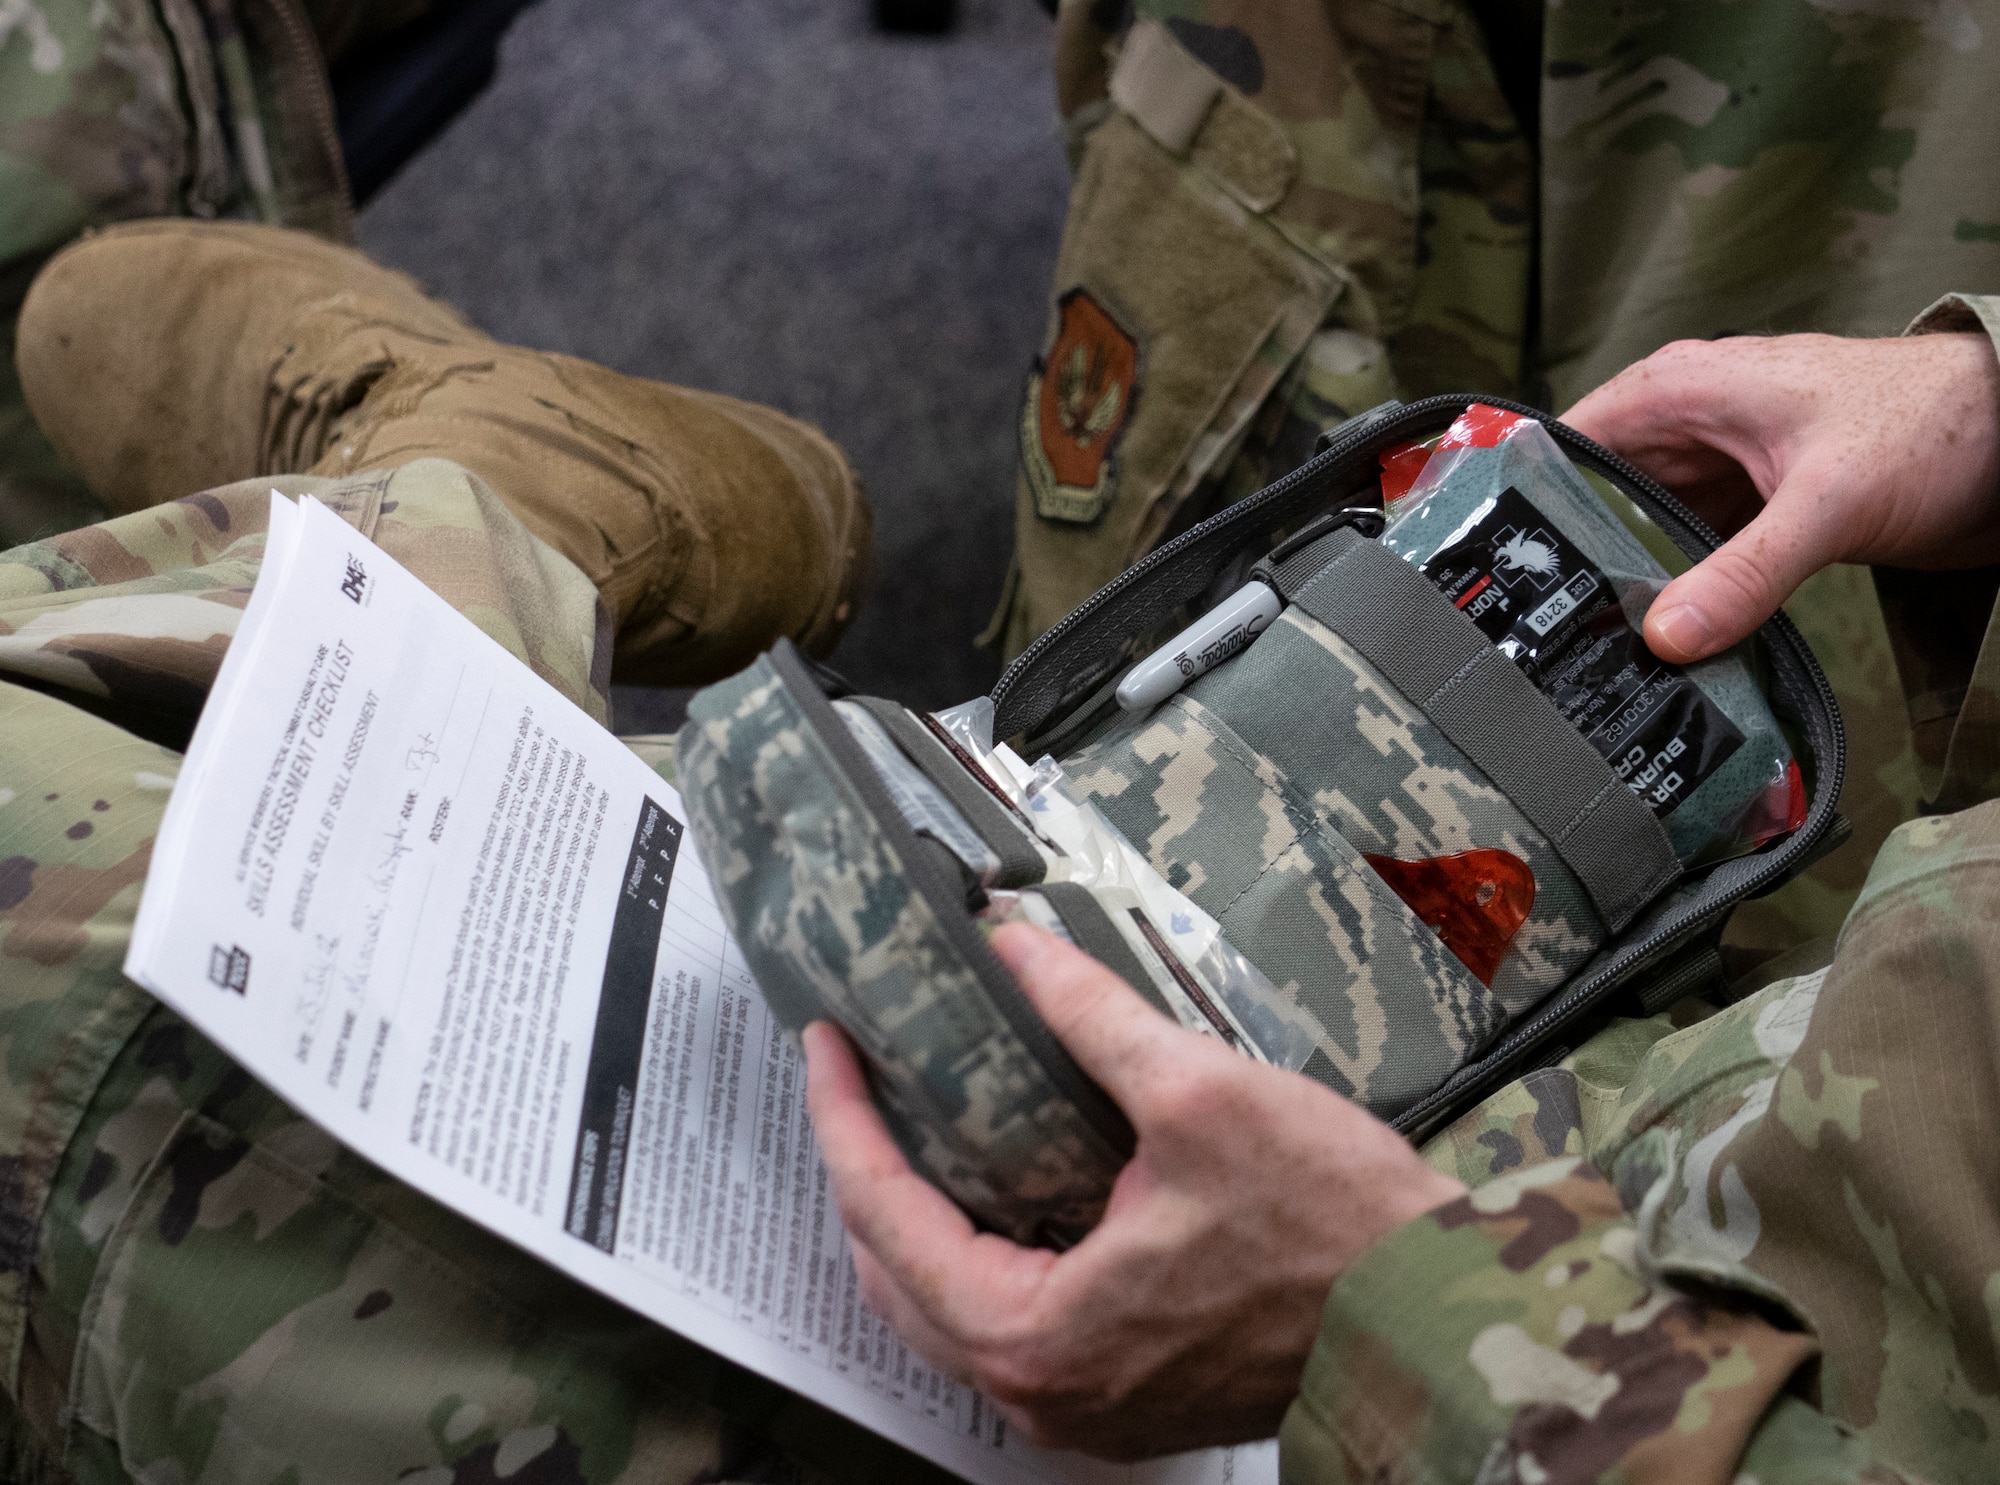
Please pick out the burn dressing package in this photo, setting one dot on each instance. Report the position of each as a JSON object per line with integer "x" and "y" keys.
{"x": 1504, "y": 524}
{"x": 1550, "y": 610}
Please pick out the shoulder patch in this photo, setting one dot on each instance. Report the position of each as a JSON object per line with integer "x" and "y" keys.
{"x": 1078, "y": 403}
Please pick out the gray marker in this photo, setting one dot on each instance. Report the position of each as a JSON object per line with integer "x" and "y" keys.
{"x": 1223, "y": 631}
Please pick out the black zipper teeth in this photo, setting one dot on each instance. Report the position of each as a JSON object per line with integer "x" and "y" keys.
{"x": 1097, "y": 1108}
{"x": 311, "y": 72}
{"x": 1656, "y": 501}
{"x": 1416, "y": 413}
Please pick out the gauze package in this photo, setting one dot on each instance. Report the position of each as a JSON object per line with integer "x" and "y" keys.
{"x": 1512, "y": 533}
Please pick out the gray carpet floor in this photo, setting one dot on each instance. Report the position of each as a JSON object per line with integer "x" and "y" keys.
{"x": 771, "y": 199}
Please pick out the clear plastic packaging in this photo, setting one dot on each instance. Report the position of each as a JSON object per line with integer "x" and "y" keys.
{"x": 1511, "y": 532}
{"x": 1209, "y": 985}
{"x": 920, "y": 802}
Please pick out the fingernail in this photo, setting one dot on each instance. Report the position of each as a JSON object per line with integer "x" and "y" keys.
{"x": 1685, "y": 628}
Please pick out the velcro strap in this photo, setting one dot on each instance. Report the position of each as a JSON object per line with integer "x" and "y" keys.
{"x": 1188, "y": 110}
{"x": 1167, "y": 92}
{"x": 1492, "y": 713}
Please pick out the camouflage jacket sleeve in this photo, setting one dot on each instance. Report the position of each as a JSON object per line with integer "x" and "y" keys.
{"x": 1510, "y": 1336}
{"x": 1940, "y": 627}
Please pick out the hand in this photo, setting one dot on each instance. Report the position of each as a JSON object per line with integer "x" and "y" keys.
{"x": 1185, "y": 1317}
{"x": 1807, "y": 450}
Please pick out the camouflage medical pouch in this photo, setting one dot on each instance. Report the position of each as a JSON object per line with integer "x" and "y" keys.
{"x": 1427, "y": 864}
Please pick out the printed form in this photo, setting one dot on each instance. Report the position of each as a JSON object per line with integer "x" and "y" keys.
{"x": 442, "y": 912}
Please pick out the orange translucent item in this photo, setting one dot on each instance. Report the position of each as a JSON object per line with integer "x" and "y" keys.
{"x": 1475, "y": 901}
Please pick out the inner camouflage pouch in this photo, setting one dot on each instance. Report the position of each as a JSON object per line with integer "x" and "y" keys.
{"x": 1429, "y": 865}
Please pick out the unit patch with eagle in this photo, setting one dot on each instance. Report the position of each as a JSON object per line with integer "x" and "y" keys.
{"x": 1078, "y": 403}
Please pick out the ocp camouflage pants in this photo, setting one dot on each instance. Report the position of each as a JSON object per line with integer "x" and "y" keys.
{"x": 195, "y": 1283}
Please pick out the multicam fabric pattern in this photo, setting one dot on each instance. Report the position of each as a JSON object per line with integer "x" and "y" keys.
{"x": 1514, "y": 1335}
{"x": 201, "y": 1286}
{"x": 115, "y": 109}
{"x": 1266, "y": 258}
{"x": 195, "y": 1284}
{"x": 1795, "y": 1157}
{"x": 831, "y": 924}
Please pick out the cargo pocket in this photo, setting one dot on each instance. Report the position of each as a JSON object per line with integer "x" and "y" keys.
{"x": 1178, "y": 307}
{"x": 1224, "y": 823}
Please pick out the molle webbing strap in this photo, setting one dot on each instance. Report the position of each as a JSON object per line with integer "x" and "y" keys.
{"x": 1091, "y": 928}
{"x": 1020, "y": 862}
{"x": 1490, "y": 711}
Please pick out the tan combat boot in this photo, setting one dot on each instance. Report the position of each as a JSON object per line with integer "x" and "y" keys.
{"x": 167, "y": 357}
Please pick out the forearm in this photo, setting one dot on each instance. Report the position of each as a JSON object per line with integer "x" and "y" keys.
{"x": 1507, "y": 1335}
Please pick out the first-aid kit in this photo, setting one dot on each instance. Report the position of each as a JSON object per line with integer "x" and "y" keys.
{"x": 1370, "y": 776}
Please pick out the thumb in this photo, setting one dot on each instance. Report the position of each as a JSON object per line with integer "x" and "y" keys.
{"x": 1725, "y": 596}
{"x": 1114, "y": 1035}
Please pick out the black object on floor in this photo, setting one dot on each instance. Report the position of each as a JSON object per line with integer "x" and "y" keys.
{"x": 916, "y": 17}
{"x": 395, "y": 94}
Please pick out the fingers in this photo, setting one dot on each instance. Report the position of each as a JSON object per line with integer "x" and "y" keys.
{"x": 1623, "y": 413}
{"x": 904, "y": 1315}
{"x": 1724, "y": 597}
{"x": 888, "y": 1207}
{"x": 1671, "y": 414}
{"x": 939, "y": 1267}
{"x": 1113, "y": 1034}
{"x": 1690, "y": 418}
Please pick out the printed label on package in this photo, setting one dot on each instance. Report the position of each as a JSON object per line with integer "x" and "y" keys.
{"x": 1550, "y": 611}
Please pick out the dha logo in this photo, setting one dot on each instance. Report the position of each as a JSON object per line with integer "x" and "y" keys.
{"x": 355, "y": 584}
{"x": 229, "y": 968}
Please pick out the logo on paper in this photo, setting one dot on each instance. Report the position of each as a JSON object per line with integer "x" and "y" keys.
{"x": 355, "y": 584}
{"x": 229, "y": 968}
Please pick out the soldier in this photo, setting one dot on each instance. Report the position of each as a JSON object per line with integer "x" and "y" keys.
{"x": 1664, "y": 1233}
{"x": 1285, "y": 213}
{"x": 1760, "y": 1243}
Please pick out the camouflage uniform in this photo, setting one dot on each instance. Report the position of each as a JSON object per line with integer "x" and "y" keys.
{"x": 1286, "y": 212}
{"x": 195, "y": 1283}
{"x": 1754, "y": 1244}
{"x": 115, "y": 109}
{"x": 1762, "y": 1246}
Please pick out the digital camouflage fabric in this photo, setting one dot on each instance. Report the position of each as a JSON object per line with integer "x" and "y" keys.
{"x": 114, "y": 109}
{"x": 201, "y": 1286}
{"x": 828, "y": 918}
{"x": 196, "y": 1284}
{"x": 1291, "y": 211}
{"x": 1328, "y": 763}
